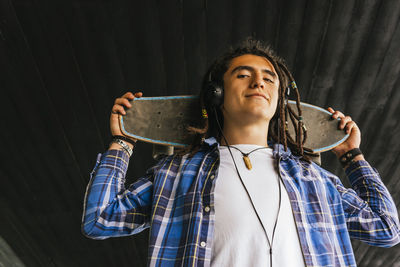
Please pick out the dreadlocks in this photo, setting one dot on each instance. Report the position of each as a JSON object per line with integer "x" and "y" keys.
{"x": 278, "y": 129}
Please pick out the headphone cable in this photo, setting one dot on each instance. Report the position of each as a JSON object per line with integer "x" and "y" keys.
{"x": 251, "y": 201}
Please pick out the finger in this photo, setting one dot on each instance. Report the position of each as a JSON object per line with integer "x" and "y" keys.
{"x": 131, "y": 96}
{"x": 350, "y": 126}
{"x": 331, "y": 110}
{"x": 118, "y": 109}
{"x": 123, "y": 101}
{"x": 128, "y": 95}
{"x": 138, "y": 94}
{"x": 337, "y": 114}
{"x": 343, "y": 122}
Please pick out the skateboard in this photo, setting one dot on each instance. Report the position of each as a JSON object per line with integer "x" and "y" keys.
{"x": 163, "y": 121}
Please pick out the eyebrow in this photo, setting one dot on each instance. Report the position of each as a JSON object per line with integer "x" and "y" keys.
{"x": 244, "y": 67}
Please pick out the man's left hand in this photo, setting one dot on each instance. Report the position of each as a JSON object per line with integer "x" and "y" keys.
{"x": 351, "y": 128}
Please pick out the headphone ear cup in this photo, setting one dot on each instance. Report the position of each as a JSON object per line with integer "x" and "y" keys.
{"x": 214, "y": 95}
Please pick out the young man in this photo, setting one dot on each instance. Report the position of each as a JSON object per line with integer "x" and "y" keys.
{"x": 248, "y": 195}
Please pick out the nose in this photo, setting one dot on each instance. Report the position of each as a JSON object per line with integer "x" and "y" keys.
{"x": 257, "y": 82}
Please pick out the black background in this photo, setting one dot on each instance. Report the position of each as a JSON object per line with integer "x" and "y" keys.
{"x": 63, "y": 63}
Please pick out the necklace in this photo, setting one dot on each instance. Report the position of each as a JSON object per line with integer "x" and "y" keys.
{"x": 270, "y": 243}
{"x": 246, "y": 158}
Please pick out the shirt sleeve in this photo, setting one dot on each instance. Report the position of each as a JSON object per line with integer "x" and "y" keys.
{"x": 110, "y": 209}
{"x": 370, "y": 211}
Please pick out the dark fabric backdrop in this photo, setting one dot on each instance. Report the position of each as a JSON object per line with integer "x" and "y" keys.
{"x": 62, "y": 64}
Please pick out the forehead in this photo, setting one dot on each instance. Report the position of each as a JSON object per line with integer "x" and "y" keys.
{"x": 251, "y": 60}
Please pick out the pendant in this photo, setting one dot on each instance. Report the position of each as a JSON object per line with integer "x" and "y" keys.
{"x": 247, "y": 162}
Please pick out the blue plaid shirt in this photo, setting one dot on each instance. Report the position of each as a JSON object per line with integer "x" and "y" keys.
{"x": 171, "y": 197}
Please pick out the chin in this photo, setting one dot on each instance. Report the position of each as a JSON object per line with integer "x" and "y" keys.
{"x": 261, "y": 110}
{"x": 260, "y": 115}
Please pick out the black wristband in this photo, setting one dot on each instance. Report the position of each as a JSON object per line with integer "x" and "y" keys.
{"x": 126, "y": 139}
{"x": 347, "y": 157}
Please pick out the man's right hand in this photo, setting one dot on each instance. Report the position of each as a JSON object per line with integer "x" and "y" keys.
{"x": 120, "y": 104}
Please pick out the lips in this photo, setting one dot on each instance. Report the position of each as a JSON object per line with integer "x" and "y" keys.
{"x": 258, "y": 94}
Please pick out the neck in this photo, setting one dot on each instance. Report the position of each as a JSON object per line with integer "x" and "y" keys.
{"x": 256, "y": 134}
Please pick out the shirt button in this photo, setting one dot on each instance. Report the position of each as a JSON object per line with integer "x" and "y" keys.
{"x": 207, "y": 209}
{"x": 212, "y": 176}
{"x": 203, "y": 244}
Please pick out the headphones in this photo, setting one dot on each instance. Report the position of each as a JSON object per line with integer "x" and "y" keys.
{"x": 213, "y": 94}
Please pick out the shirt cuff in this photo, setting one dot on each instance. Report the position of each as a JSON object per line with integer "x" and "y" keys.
{"x": 358, "y": 169}
{"x": 117, "y": 159}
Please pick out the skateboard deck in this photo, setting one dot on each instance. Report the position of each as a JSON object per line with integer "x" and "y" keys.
{"x": 163, "y": 121}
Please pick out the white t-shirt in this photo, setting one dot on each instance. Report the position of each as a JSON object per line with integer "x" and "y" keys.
{"x": 239, "y": 239}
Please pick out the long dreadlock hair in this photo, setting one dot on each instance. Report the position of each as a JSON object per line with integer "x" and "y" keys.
{"x": 278, "y": 128}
